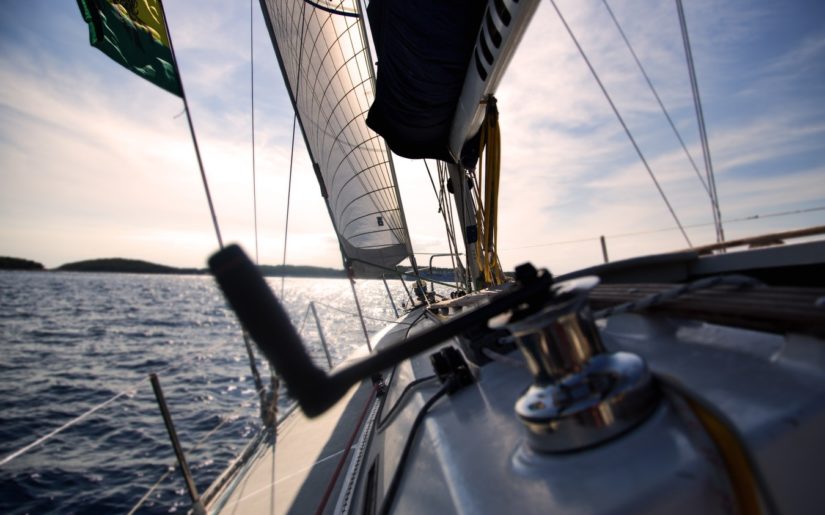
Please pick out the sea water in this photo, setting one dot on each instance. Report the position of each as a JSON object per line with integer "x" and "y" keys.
{"x": 70, "y": 342}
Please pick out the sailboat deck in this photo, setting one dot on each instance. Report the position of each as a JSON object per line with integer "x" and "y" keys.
{"x": 296, "y": 472}
{"x": 294, "y": 475}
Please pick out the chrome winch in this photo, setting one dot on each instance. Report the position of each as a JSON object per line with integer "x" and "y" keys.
{"x": 581, "y": 394}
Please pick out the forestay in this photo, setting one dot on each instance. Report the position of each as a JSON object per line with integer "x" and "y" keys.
{"x": 326, "y": 63}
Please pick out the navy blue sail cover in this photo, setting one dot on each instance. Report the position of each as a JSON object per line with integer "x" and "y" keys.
{"x": 423, "y": 49}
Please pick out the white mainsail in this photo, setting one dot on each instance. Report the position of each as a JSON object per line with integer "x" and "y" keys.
{"x": 322, "y": 50}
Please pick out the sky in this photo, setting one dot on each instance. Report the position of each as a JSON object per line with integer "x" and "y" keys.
{"x": 96, "y": 162}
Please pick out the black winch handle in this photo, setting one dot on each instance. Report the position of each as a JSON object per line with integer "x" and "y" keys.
{"x": 267, "y": 323}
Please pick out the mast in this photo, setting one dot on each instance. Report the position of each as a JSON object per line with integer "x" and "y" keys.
{"x": 467, "y": 219}
{"x": 495, "y": 45}
{"x": 498, "y": 37}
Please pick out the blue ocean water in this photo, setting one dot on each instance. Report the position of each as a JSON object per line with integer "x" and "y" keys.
{"x": 70, "y": 342}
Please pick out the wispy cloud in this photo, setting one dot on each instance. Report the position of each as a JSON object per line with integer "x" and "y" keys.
{"x": 94, "y": 161}
{"x": 589, "y": 186}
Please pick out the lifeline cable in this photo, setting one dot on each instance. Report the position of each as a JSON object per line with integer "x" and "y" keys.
{"x": 667, "y": 229}
{"x": 173, "y": 465}
{"x": 60, "y": 429}
{"x": 356, "y": 314}
{"x": 129, "y": 390}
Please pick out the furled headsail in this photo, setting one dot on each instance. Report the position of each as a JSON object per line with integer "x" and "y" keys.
{"x": 438, "y": 62}
{"x": 325, "y": 61}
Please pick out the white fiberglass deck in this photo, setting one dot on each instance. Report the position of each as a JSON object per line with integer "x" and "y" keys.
{"x": 295, "y": 476}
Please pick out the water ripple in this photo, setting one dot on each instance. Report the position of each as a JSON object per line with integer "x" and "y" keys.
{"x": 72, "y": 341}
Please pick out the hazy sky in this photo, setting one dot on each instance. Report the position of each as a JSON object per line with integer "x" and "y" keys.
{"x": 95, "y": 162}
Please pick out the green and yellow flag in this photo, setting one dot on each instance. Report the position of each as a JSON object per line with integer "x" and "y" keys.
{"x": 133, "y": 33}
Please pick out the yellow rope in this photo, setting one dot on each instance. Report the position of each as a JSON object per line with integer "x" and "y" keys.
{"x": 487, "y": 213}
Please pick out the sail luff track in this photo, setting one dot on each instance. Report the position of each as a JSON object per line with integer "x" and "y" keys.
{"x": 332, "y": 89}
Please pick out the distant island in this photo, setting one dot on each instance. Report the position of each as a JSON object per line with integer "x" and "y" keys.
{"x": 12, "y": 263}
{"x": 121, "y": 265}
{"x": 136, "y": 266}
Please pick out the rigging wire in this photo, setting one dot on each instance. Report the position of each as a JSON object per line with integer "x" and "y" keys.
{"x": 667, "y": 229}
{"x": 170, "y": 468}
{"x": 288, "y": 198}
{"x": 292, "y": 148}
{"x": 130, "y": 389}
{"x": 700, "y": 120}
{"x": 246, "y": 340}
{"x": 443, "y": 175}
{"x": 252, "y": 109}
{"x": 451, "y": 243}
{"x": 658, "y": 99}
{"x": 192, "y": 132}
{"x": 622, "y": 122}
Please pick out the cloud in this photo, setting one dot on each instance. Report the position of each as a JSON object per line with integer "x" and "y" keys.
{"x": 94, "y": 160}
